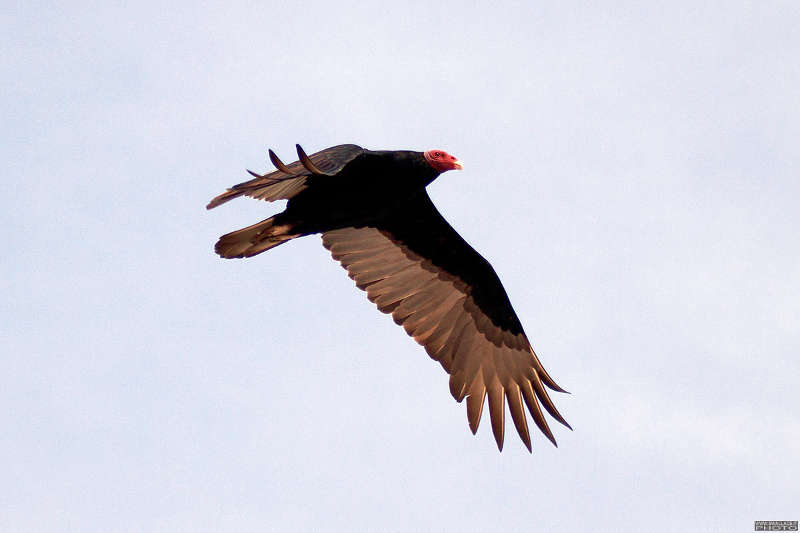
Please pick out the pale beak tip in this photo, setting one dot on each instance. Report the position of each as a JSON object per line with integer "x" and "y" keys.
{"x": 458, "y": 165}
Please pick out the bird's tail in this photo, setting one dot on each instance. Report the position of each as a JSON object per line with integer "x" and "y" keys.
{"x": 254, "y": 239}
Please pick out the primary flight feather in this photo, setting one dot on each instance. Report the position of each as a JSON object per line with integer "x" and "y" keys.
{"x": 378, "y": 221}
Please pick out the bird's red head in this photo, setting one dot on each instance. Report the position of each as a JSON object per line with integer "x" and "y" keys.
{"x": 442, "y": 161}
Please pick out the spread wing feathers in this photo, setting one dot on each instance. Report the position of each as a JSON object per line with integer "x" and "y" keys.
{"x": 413, "y": 265}
{"x": 290, "y": 179}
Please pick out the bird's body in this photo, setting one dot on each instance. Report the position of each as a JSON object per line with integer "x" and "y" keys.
{"x": 376, "y": 218}
{"x": 363, "y": 190}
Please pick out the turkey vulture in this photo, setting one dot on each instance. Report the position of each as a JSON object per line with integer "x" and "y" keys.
{"x": 378, "y": 221}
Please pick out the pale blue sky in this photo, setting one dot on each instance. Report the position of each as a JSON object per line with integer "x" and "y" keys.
{"x": 631, "y": 173}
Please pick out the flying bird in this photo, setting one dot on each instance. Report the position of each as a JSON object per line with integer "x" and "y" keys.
{"x": 378, "y": 221}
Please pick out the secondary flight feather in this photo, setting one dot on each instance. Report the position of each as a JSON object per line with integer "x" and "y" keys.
{"x": 377, "y": 220}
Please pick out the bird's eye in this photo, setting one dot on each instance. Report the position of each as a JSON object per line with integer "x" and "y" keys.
{"x": 438, "y": 154}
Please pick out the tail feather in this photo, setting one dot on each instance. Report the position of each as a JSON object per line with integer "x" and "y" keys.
{"x": 254, "y": 239}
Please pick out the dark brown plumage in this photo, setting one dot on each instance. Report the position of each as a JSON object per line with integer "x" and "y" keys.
{"x": 376, "y": 218}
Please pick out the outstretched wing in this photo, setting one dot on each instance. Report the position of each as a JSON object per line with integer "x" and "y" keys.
{"x": 414, "y": 265}
{"x": 289, "y": 180}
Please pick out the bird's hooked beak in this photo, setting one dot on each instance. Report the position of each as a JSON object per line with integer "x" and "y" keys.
{"x": 458, "y": 165}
